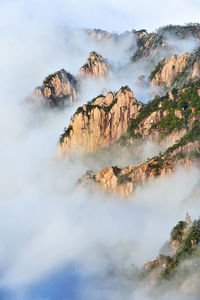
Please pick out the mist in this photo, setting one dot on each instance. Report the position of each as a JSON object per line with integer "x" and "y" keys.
{"x": 58, "y": 241}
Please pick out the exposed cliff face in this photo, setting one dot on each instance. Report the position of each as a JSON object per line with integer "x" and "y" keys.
{"x": 173, "y": 121}
{"x": 123, "y": 181}
{"x": 166, "y": 119}
{"x": 195, "y": 72}
{"x": 62, "y": 88}
{"x": 95, "y": 67}
{"x": 176, "y": 70}
{"x": 102, "y": 36}
{"x": 150, "y": 44}
{"x": 166, "y": 71}
{"x": 58, "y": 89}
{"x": 100, "y": 123}
{"x": 147, "y": 128}
{"x": 99, "y": 35}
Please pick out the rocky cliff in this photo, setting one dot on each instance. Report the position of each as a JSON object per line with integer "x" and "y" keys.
{"x": 99, "y": 35}
{"x": 100, "y": 123}
{"x": 150, "y": 44}
{"x": 95, "y": 67}
{"x": 167, "y": 118}
{"x": 123, "y": 181}
{"x": 176, "y": 70}
{"x": 58, "y": 89}
{"x": 62, "y": 88}
{"x": 175, "y": 124}
{"x": 179, "y": 256}
{"x": 166, "y": 71}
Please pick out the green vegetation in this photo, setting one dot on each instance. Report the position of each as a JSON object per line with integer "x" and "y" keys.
{"x": 167, "y": 104}
{"x": 107, "y": 109}
{"x": 188, "y": 237}
{"x": 170, "y": 123}
{"x": 193, "y": 155}
{"x": 180, "y": 31}
{"x": 121, "y": 179}
{"x": 124, "y": 88}
{"x": 90, "y": 106}
{"x": 180, "y": 155}
{"x": 156, "y": 165}
{"x": 186, "y": 100}
{"x": 157, "y": 69}
{"x": 124, "y": 139}
{"x": 181, "y": 78}
{"x": 189, "y": 244}
{"x": 154, "y": 40}
{"x": 144, "y": 112}
{"x": 66, "y": 133}
{"x": 191, "y": 136}
{"x": 116, "y": 170}
{"x": 177, "y": 231}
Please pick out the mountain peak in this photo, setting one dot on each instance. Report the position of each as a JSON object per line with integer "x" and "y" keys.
{"x": 96, "y": 66}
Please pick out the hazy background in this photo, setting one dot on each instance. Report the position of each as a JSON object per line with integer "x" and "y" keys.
{"x": 59, "y": 243}
{"x": 110, "y": 15}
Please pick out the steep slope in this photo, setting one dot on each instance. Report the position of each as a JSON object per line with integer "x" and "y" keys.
{"x": 100, "y": 123}
{"x": 172, "y": 113}
{"x": 176, "y": 70}
{"x": 123, "y": 181}
{"x": 58, "y": 89}
{"x": 180, "y": 260}
{"x": 95, "y": 67}
{"x": 62, "y": 88}
{"x": 99, "y": 35}
{"x": 167, "y": 70}
{"x": 150, "y": 44}
{"x": 173, "y": 122}
{"x": 102, "y": 36}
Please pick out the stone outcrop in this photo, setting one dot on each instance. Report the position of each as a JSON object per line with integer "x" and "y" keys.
{"x": 95, "y": 67}
{"x": 181, "y": 251}
{"x": 195, "y": 72}
{"x": 164, "y": 120}
{"x": 145, "y": 130}
{"x": 166, "y": 71}
{"x": 176, "y": 70}
{"x": 62, "y": 88}
{"x": 151, "y": 44}
{"x": 58, "y": 89}
{"x": 100, "y": 123}
{"x": 123, "y": 181}
{"x": 99, "y": 35}
{"x": 172, "y": 122}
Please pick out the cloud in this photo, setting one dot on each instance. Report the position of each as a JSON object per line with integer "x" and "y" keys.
{"x": 47, "y": 227}
{"x": 110, "y": 15}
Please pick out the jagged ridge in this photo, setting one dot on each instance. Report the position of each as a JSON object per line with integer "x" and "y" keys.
{"x": 177, "y": 118}
{"x": 99, "y": 123}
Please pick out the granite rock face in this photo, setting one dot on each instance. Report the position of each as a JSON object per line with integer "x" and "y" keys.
{"x": 61, "y": 88}
{"x": 58, "y": 89}
{"x": 166, "y": 71}
{"x": 100, "y": 123}
{"x": 176, "y": 70}
{"x": 95, "y": 67}
{"x": 123, "y": 181}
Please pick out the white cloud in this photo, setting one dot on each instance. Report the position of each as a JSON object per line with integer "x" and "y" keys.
{"x": 43, "y": 223}
{"x": 111, "y": 15}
